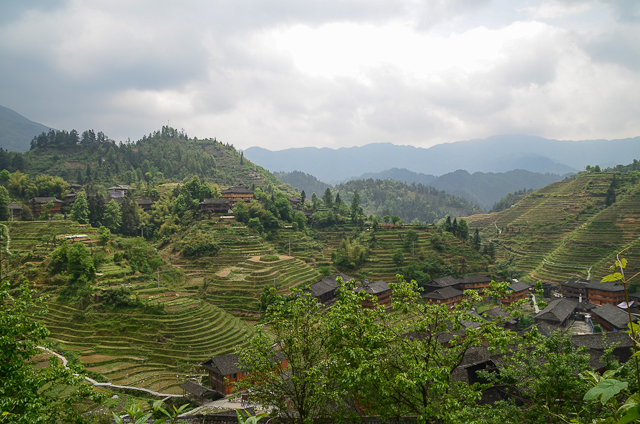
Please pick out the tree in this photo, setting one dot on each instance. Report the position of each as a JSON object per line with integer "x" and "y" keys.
{"x": 131, "y": 216}
{"x": 327, "y": 198}
{"x": 349, "y": 255}
{"x": 4, "y": 203}
{"x": 463, "y": 230}
{"x": 303, "y": 389}
{"x": 104, "y": 234}
{"x": 112, "y": 216}
{"x": 27, "y": 394}
{"x": 477, "y": 242}
{"x": 395, "y": 219}
{"x": 303, "y": 197}
{"x": 355, "y": 205}
{"x": 80, "y": 209}
{"x": 398, "y": 258}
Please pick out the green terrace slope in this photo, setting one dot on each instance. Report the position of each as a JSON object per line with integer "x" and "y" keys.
{"x": 134, "y": 347}
{"x": 235, "y": 277}
{"x": 566, "y": 229}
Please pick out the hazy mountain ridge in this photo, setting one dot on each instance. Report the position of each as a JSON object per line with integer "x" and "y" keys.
{"x": 499, "y": 153}
{"x": 16, "y": 131}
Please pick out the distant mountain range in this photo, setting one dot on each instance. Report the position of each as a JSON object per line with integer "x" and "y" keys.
{"x": 499, "y": 153}
{"x": 483, "y": 189}
{"x": 16, "y": 131}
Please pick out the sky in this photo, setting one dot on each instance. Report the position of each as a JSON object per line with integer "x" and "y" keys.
{"x": 325, "y": 73}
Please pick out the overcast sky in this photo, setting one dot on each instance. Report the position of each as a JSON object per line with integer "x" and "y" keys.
{"x": 334, "y": 73}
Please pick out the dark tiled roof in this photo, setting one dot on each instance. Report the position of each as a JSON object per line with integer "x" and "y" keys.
{"x": 634, "y": 296}
{"x": 145, "y": 202}
{"x": 326, "y": 285}
{"x": 612, "y": 314}
{"x": 223, "y": 365}
{"x": 519, "y": 286}
{"x": 578, "y": 283}
{"x": 376, "y": 287}
{"x": 46, "y": 200}
{"x": 121, "y": 187}
{"x": 196, "y": 389}
{"x": 557, "y": 311}
{"x": 443, "y": 293}
{"x": 443, "y": 282}
{"x": 470, "y": 279}
{"x": 14, "y": 206}
{"x": 219, "y": 201}
{"x": 501, "y": 313}
{"x": 239, "y": 189}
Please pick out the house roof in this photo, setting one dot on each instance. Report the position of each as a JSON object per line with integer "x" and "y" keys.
{"x": 239, "y": 189}
{"x": 14, "y": 206}
{"x": 613, "y": 315}
{"x": 557, "y": 311}
{"x": 471, "y": 279}
{"x": 578, "y": 283}
{"x": 121, "y": 187}
{"x": 519, "y": 286}
{"x": 46, "y": 200}
{"x": 443, "y": 282}
{"x": 326, "y": 285}
{"x": 376, "y": 287}
{"x": 500, "y": 313}
{"x": 443, "y": 293}
{"x": 223, "y": 365}
{"x": 145, "y": 202}
{"x": 218, "y": 201}
{"x": 196, "y": 389}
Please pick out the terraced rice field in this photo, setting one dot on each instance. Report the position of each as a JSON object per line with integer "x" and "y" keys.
{"x": 153, "y": 351}
{"x": 563, "y": 230}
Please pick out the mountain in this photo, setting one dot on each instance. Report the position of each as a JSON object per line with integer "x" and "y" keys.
{"x": 16, "y": 131}
{"x": 402, "y": 175}
{"x": 499, "y": 153}
{"x": 303, "y": 182}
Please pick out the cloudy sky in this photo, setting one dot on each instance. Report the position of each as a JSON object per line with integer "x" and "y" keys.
{"x": 334, "y": 73}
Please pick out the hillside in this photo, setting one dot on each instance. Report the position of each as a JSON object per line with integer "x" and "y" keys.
{"x": 16, "y": 131}
{"x": 571, "y": 228}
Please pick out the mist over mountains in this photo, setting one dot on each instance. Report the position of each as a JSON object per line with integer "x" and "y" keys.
{"x": 499, "y": 153}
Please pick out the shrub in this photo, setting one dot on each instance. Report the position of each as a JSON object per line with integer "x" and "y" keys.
{"x": 269, "y": 258}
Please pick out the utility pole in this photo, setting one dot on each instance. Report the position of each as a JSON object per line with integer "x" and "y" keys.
{"x": 158, "y": 269}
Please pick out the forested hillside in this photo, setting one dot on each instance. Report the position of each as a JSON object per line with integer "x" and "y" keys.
{"x": 409, "y": 202}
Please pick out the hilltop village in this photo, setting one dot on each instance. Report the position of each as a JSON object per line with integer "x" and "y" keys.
{"x": 191, "y": 287}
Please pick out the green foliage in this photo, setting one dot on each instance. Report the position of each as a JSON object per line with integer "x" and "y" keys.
{"x": 112, "y": 216}
{"x": 197, "y": 242}
{"x": 140, "y": 256}
{"x": 118, "y": 297}
{"x": 4, "y": 202}
{"x": 398, "y": 258}
{"x": 104, "y": 234}
{"x": 350, "y": 254}
{"x": 269, "y": 258}
{"x": 27, "y": 394}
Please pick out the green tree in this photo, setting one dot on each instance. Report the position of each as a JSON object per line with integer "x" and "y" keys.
{"x": 4, "y": 203}
{"x": 28, "y": 394}
{"x": 131, "y": 216}
{"x": 463, "y": 230}
{"x": 80, "y": 209}
{"x": 112, "y": 216}
{"x": 398, "y": 258}
{"x": 349, "y": 255}
{"x": 476, "y": 242}
{"x": 327, "y": 198}
{"x": 355, "y": 205}
{"x": 395, "y": 219}
{"x": 304, "y": 389}
{"x": 104, "y": 234}
{"x": 303, "y": 197}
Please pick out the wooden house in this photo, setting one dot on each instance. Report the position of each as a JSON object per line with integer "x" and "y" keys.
{"x": 326, "y": 290}
{"x": 445, "y": 296}
{"x": 379, "y": 290}
{"x": 145, "y": 204}
{"x": 515, "y": 292}
{"x": 221, "y": 205}
{"x": 120, "y": 190}
{"x": 15, "y": 210}
{"x": 593, "y": 291}
{"x": 40, "y": 201}
{"x": 558, "y": 313}
{"x": 237, "y": 194}
{"x": 225, "y": 370}
{"x": 473, "y": 282}
{"x": 611, "y": 318}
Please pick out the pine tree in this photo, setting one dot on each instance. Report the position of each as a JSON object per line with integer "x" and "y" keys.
{"x": 80, "y": 209}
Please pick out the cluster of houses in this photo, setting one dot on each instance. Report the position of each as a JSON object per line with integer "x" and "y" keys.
{"x": 589, "y": 298}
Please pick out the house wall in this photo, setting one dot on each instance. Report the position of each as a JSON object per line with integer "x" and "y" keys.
{"x": 600, "y": 297}
{"x": 448, "y": 302}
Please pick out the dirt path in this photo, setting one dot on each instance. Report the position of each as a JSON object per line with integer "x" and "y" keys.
{"x": 97, "y": 384}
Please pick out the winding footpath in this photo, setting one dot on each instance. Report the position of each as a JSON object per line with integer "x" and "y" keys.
{"x": 97, "y": 384}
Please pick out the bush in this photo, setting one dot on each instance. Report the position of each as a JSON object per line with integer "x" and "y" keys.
{"x": 269, "y": 258}
{"x": 118, "y": 297}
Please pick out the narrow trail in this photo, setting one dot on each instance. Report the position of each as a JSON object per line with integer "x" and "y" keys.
{"x": 97, "y": 384}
